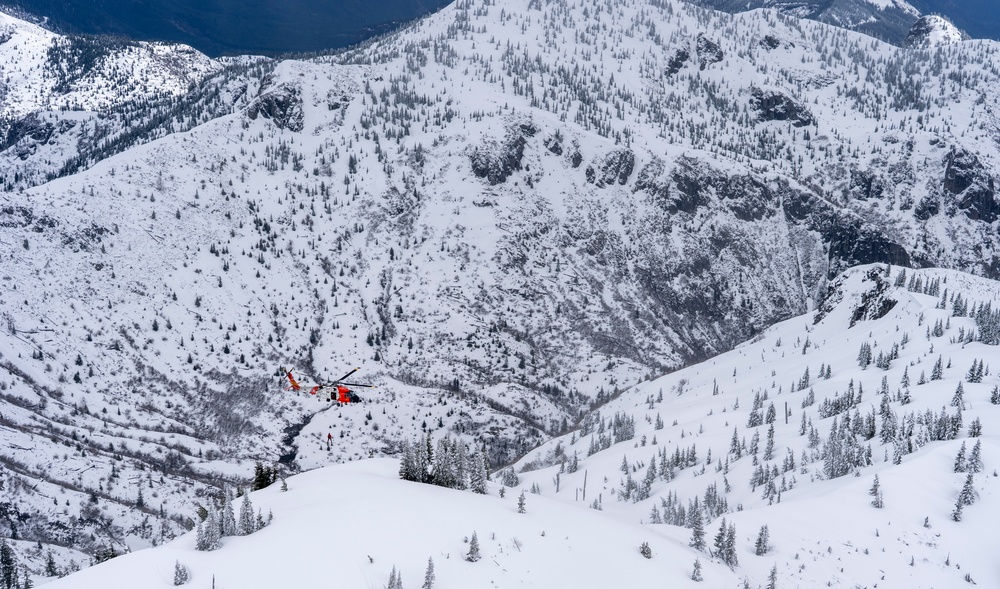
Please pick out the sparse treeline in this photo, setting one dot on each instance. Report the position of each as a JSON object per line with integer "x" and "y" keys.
{"x": 216, "y": 523}
{"x": 604, "y": 433}
{"x": 451, "y": 464}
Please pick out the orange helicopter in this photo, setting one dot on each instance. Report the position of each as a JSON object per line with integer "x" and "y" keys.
{"x": 337, "y": 390}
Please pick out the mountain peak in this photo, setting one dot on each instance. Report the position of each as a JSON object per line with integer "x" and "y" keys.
{"x": 932, "y": 31}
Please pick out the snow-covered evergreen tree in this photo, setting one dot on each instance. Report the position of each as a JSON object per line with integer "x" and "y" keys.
{"x": 429, "y": 577}
{"x": 772, "y": 578}
{"x": 227, "y": 518}
{"x": 247, "y": 523}
{"x": 696, "y": 573}
{"x": 181, "y": 574}
{"x": 395, "y": 579}
{"x": 763, "y": 538}
{"x": 473, "y": 554}
{"x": 697, "y": 525}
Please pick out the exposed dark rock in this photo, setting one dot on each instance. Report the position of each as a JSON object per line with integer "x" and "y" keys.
{"x": 696, "y": 184}
{"x": 961, "y": 170}
{"x": 852, "y": 243}
{"x": 614, "y": 167}
{"x": 866, "y": 185}
{"x": 709, "y": 51}
{"x": 772, "y": 105}
{"x": 770, "y": 42}
{"x": 874, "y": 302}
{"x": 497, "y": 161}
{"x": 31, "y": 131}
{"x": 747, "y": 197}
{"x": 282, "y": 105}
{"x": 554, "y": 143}
{"x": 677, "y": 61}
{"x": 927, "y": 208}
{"x": 652, "y": 180}
{"x": 969, "y": 180}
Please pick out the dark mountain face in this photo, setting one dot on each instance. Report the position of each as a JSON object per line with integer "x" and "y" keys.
{"x": 889, "y": 24}
{"x": 233, "y": 26}
{"x": 979, "y": 18}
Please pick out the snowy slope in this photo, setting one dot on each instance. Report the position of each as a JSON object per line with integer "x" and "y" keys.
{"x": 821, "y": 528}
{"x": 354, "y": 523}
{"x": 498, "y": 240}
{"x": 889, "y": 20}
{"x": 45, "y": 71}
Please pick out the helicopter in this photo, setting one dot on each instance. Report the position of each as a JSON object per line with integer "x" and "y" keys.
{"x": 337, "y": 390}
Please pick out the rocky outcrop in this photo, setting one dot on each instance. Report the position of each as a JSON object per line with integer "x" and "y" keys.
{"x": 497, "y": 161}
{"x": 677, "y": 61}
{"x": 709, "y": 51}
{"x": 30, "y": 132}
{"x": 615, "y": 167}
{"x": 968, "y": 180}
{"x": 772, "y": 105}
{"x": 693, "y": 184}
{"x": 866, "y": 185}
{"x": 932, "y": 31}
{"x": 281, "y": 105}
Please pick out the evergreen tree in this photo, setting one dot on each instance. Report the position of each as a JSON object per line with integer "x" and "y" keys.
{"x": 960, "y": 462}
{"x": 761, "y": 547}
{"x": 772, "y": 579}
{"x": 429, "y": 575}
{"x": 8, "y": 566}
{"x": 769, "y": 445}
{"x": 395, "y": 579}
{"x": 876, "y": 492}
{"x": 645, "y": 550}
{"x": 421, "y": 462}
{"x": 729, "y": 555}
{"x": 263, "y": 476}
{"x": 201, "y": 542}
{"x": 406, "y": 462}
{"x": 227, "y": 518}
{"x": 51, "y": 570}
{"x": 956, "y": 514}
{"x": 247, "y": 523}
{"x": 697, "y": 527}
{"x": 938, "y": 370}
{"x": 181, "y": 574}
{"x": 473, "y": 555}
{"x": 696, "y": 574}
{"x": 975, "y": 463}
{"x": 958, "y": 399}
{"x": 720, "y": 540}
{"x": 209, "y": 537}
{"x": 968, "y": 493}
{"x": 521, "y": 503}
{"x": 478, "y": 474}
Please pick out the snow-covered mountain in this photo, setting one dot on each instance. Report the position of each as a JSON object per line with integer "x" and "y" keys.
{"x": 879, "y": 469}
{"x": 889, "y": 20}
{"x": 931, "y": 31}
{"x": 506, "y": 215}
{"x": 978, "y": 18}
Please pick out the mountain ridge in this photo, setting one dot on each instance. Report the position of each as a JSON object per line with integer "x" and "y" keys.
{"x": 501, "y": 241}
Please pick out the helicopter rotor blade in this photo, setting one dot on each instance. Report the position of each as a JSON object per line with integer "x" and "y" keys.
{"x": 347, "y": 375}
{"x": 355, "y": 384}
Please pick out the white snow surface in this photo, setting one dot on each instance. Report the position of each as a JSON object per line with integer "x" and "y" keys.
{"x": 350, "y": 524}
{"x": 177, "y": 278}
